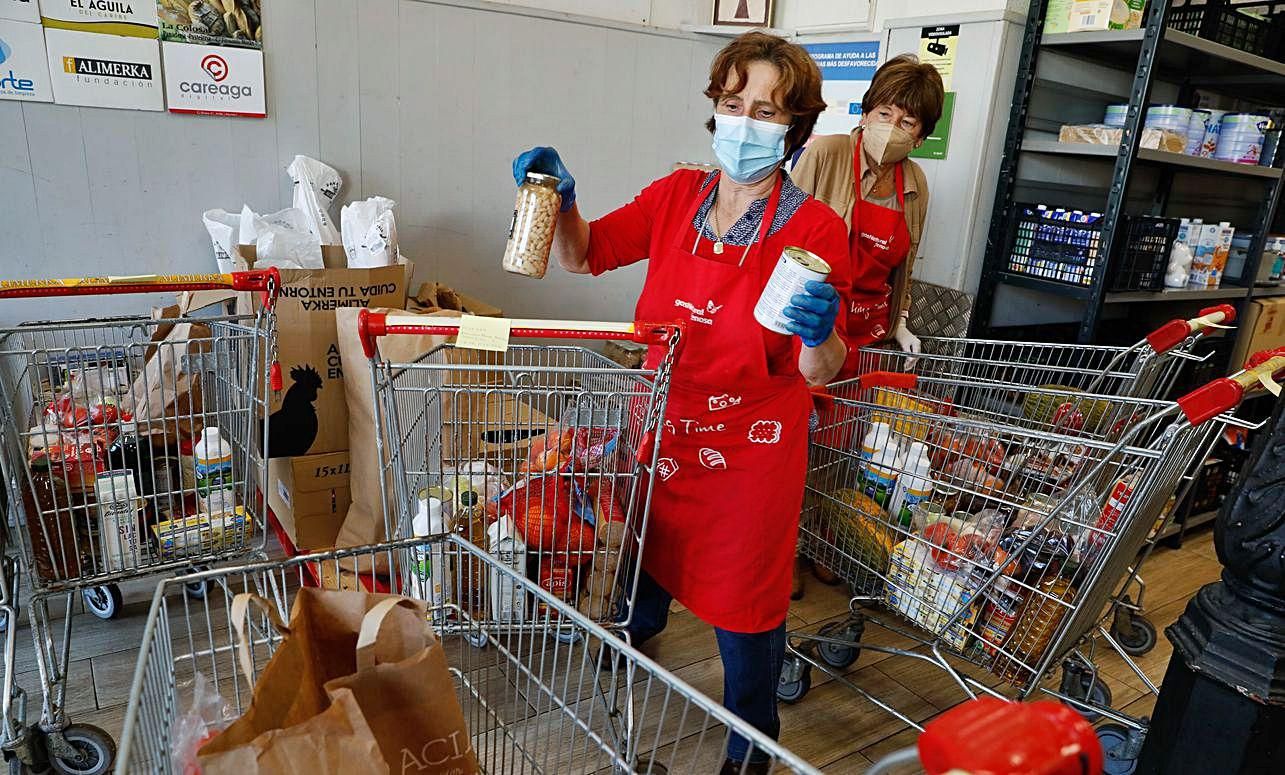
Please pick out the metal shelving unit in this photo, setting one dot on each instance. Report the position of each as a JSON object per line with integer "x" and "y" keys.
{"x": 1152, "y": 55}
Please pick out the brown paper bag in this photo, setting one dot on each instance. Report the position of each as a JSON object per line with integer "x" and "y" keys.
{"x": 365, "y": 667}
{"x": 166, "y": 394}
{"x": 364, "y": 524}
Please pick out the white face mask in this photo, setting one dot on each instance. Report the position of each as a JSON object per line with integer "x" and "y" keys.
{"x": 885, "y": 143}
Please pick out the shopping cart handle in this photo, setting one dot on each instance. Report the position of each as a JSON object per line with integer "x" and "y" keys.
{"x": 266, "y": 280}
{"x": 993, "y": 735}
{"x": 1225, "y": 394}
{"x": 887, "y": 379}
{"x": 372, "y": 325}
{"x": 1175, "y": 332}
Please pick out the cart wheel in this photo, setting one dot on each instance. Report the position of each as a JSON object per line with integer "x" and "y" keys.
{"x": 104, "y": 602}
{"x": 1116, "y": 759}
{"x": 95, "y": 751}
{"x": 1138, "y": 639}
{"x": 1079, "y": 683}
{"x": 789, "y": 689}
{"x": 477, "y": 638}
{"x": 841, "y": 657}
{"x": 646, "y": 766}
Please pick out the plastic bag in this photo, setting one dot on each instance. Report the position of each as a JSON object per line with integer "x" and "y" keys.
{"x": 477, "y": 475}
{"x": 224, "y": 228}
{"x": 369, "y": 233}
{"x": 208, "y": 715}
{"x": 280, "y": 239}
{"x": 316, "y": 185}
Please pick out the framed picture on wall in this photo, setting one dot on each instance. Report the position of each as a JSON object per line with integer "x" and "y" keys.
{"x": 743, "y": 13}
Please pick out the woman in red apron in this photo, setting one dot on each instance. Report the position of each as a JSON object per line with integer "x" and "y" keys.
{"x": 729, "y": 487}
{"x": 866, "y": 178}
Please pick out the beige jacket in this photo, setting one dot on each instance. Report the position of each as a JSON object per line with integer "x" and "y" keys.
{"x": 825, "y": 171}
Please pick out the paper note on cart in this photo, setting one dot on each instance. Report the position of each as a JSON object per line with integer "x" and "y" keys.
{"x": 480, "y": 333}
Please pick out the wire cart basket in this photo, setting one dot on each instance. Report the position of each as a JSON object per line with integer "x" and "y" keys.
{"x": 1017, "y": 511}
{"x": 553, "y": 445}
{"x": 533, "y": 702}
{"x": 1147, "y": 369}
{"x": 98, "y": 422}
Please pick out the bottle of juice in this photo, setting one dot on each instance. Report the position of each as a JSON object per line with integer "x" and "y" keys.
{"x": 212, "y": 465}
{"x": 470, "y": 524}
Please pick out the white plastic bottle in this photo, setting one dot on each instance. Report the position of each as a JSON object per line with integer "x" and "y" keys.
{"x": 508, "y": 600}
{"x": 429, "y": 559}
{"x": 914, "y": 485}
{"x": 879, "y": 453}
{"x": 212, "y": 465}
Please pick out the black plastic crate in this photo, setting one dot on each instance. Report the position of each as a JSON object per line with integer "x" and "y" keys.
{"x": 1228, "y": 25}
{"x": 1145, "y": 255}
{"x": 1054, "y": 244}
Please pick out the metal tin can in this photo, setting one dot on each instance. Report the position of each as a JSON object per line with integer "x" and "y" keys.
{"x": 793, "y": 270}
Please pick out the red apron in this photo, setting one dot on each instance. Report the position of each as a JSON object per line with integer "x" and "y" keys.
{"x": 729, "y": 488}
{"x": 880, "y": 244}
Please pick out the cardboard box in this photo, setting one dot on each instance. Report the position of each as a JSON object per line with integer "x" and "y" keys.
{"x": 1088, "y": 15}
{"x": 309, "y": 415}
{"x": 1057, "y": 16}
{"x": 310, "y": 496}
{"x": 1262, "y": 328}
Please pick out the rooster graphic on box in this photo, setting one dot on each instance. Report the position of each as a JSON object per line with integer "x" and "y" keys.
{"x": 293, "y": 427}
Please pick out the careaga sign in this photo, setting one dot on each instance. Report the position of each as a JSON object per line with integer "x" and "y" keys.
{"x": 214, "y": 80}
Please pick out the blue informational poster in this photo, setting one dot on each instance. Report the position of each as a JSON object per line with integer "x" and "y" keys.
{"x": 846, "y": 72}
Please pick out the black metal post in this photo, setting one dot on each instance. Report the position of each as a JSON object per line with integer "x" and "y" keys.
{"x": 1222, "y": 705}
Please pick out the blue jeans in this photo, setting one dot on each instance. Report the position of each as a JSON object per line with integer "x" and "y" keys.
{"x": 751, "y": 665}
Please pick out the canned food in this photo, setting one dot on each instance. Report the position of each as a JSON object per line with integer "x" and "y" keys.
{"x": 1196, "y": 131}
{"x": 794, "y": 269}
{"x": 535, "y": 214}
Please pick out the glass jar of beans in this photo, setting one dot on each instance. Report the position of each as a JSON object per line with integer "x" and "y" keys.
{"x": 531, "y": 235}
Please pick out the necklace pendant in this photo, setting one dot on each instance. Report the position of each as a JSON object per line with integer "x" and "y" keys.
{"x": 718, "y": 248}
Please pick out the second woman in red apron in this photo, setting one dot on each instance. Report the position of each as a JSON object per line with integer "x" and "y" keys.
{"x": 729, "y": 487}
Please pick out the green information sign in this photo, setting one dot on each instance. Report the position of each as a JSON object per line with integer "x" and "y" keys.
{"x": 937, "y": 143}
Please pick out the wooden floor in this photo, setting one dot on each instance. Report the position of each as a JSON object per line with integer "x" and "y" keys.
{"x": 831, "y": 727}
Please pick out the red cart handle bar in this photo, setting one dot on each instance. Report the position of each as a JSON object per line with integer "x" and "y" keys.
{"x": 1222, "y": 395}
{"x": 1175, "y": 332}
{"x": 266, "y": 280}
{"x": 372, "y": 325}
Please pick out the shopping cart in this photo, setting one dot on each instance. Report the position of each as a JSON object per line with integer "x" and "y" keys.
{"x": 553, "y": 444}
{"x": 1032, "y": 520}
{"x": 534, "y": 703}
{"x": 1146, "y": 369}
{"x": 97, "y": 422}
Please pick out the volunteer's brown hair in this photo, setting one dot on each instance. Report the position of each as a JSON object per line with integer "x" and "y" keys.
{"x": 905, "y": 82}
{"x": 798, "y": 92}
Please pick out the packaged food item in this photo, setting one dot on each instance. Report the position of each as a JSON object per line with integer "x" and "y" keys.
{"x": 558, "y": 580}
{"x": 880, "y": 452}
{"x": 428, "y": 561}
{"x": 855, "y": 526}
{"x": 1043, "y": 611}
{"x": 49, "y": 522}
{"x": 948, "y": 448}
{"x": 998, "y": 615}
{"x": 119, "y": 511}
{"x": 212, "y": 466}
{"x": 508, "y": 600}
{"x": 201, "y": 533}
{"x": 794, "y": 269}
{"x": 914, "y": 486}
{"x": 535, "y": 216}
{"x": 470, "y": 524}
{"x": 1105, "y": 525}
{"x": 187, "y": 464}
{"x": 551, "y": 514}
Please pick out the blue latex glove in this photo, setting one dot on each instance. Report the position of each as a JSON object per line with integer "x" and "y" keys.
{"x": 812, "y": 313}
{"x": 546, "y": 162}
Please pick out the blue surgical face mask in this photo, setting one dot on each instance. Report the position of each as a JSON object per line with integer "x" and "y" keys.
{"x": 748, "y": 150}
